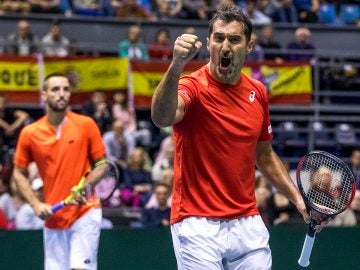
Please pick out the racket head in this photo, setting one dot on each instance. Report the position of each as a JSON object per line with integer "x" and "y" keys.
{"x": 107, "y": 176}
{"x": 325, "y": 182}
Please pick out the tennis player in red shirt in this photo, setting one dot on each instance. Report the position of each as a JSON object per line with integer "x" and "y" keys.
{"x": 222, "y": 130}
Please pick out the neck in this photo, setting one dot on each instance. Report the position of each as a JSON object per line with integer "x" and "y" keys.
{"x": 55, "y": 118}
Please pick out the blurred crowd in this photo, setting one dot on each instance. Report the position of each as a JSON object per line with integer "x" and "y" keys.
{"x": 260, "y": 11}
{"x": 146, "y": 160}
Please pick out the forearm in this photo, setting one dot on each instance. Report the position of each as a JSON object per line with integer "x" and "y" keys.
{"x": 23, "y": 186}
{"x": 274, "y": 170}
{"x": 165, "y": 98}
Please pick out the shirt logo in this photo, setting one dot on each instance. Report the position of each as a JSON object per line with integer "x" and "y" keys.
{"x": 252, "y": 96}
{"x": 87, "y": 261}
{"x": 269, "y": 129}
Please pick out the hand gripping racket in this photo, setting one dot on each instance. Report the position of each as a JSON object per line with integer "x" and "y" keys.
{"x": 95, "y": 187}
{"x": 327, "y": 186}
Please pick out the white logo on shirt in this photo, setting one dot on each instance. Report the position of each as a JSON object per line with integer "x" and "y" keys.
{"x": 269, "y": 129}
{"x": 252, "y": 96}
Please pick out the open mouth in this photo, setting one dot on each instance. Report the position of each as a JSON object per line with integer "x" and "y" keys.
{"x": 225, "y": 62}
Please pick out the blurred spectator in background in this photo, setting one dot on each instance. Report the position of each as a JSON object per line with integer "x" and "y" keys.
{"x": 54, "y": 43}
{"x": 303, "y": 44}
{"x": 14, "y": 6}
{"x": 90, "y": 7}
{"x": 22, "y": 41}
{"x": 355, "y": 166}
{"x": 263, "y": 194}
{"x": 157, "y": 216}
{"x": 217, "y": 4}
{"x": 7, "y": 204}
{"x": 268, "y": 7}
{"x": 355, "y": 205}
{"x": 167, "y": 178}
{"x": 257, "y": 52}
{"x": 163, "y": 164}
{"x": 99, "y": 110}
{"x": 254, "y": 14}
{"x": 3, "y": 221}
{"x": 130, "y": 9}
{"x": 307, "y": 10}
{"x": 137, "y": 178}
{"x": 119, "y": 144}
{"x": 11, "y": 122}
{"x": 133, "y": 47}
{"x": 161, "y": 48}
{"x": 168, "y": 9}
{"x": 195, "y": 9}
{"x": 45, "y": 6}
{"x": 287, "y": 12}
{"x": 267, "y": 42}
{"x": 26, "y": 219}
{"x": 122, "y": 110}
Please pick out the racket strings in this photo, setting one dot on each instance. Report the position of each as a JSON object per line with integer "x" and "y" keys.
{"x": 328, "y": 184}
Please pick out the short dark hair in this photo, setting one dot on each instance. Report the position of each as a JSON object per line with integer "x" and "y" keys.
{"x": 51, "y": 75}
{"x": 230, "y": 13}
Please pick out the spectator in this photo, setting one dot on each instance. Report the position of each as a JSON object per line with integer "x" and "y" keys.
{"x": 268, "y": 7}
{"x": 99, "y": 110}
{"x": 287, "y": 12}
{"x": 307, "y": 10}
{"x": 263, "y": 194}
{"x": 54, "y": 43}
{"x": 11, "y": 122}
{"x": 119, "y": 144}
{"x": 122, "y": 110}
{"x": 157, "y": 216}
{"x": 14, "y": 6}
{"x": 90, "y": 7}
{"x": 161, "y": 165}
{"x": 22, "y": 41}
{"x": 133, "y": 47}
{"x": 303, "y": 44}
{"x": 26, "y": 219}
{"x": 267, "y": 42}
{"x": 45, "y": 6}
{"x": 257, "y": 52}
{"x": 195, "y": 9}
{"x": 130, "y": 9}
{"x": 255, "y": 15}
{"x": 168, "y": 9}
{"x": 7, "y": 204}
{"x": 355, "y": 205}
{"x": 355, "y": 166}
{"x": 137, "y": 178}
{"x": 161, "y": 48}
{"x": 167, "y": 178}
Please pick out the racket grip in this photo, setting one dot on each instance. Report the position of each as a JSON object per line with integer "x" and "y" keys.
{"x": 304, "y": 259}
{"x": 57, "y": 207}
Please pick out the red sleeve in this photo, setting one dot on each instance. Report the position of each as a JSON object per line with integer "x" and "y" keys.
{"x": 266, "y": 131}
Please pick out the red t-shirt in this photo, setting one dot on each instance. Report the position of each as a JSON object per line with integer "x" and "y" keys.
{"x": 215, "y": 146}
{"x": 62, "y": 158}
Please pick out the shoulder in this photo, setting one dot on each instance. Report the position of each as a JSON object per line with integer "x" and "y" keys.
{"x": 80, "y": 119}
{"x": 34, "y": 126}
{"x": 253, "y": 83}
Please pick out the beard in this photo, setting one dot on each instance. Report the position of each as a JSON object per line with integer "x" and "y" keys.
{"x": 58, "y": 107}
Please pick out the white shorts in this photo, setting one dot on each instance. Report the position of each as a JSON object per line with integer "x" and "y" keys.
{"x": 212, "y": 244}
{"x": 75, "y": 247}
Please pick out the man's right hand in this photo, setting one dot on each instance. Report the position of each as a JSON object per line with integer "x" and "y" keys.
{"x": 186, "y": 47}
{"x": 43, "y": 210}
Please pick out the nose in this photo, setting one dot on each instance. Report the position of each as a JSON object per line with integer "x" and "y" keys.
{"x": 225, "y": 46}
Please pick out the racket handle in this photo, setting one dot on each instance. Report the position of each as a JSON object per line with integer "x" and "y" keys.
{"x": 304, "y": 259}
{"x": 57, "y": 207}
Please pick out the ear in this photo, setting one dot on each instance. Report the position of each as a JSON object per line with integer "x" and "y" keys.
{"x": 249, "y": 46}
{"x": 43, "y": 95}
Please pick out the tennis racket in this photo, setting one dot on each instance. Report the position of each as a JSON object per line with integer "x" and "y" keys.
{"x": 327, "y": 186}
{"x": 95, "y": 188}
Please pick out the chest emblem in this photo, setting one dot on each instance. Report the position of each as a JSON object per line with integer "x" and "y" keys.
{"x": 252, "y": 96}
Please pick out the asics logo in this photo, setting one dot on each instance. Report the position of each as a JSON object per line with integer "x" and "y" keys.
{"x": 252, "y": 96}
